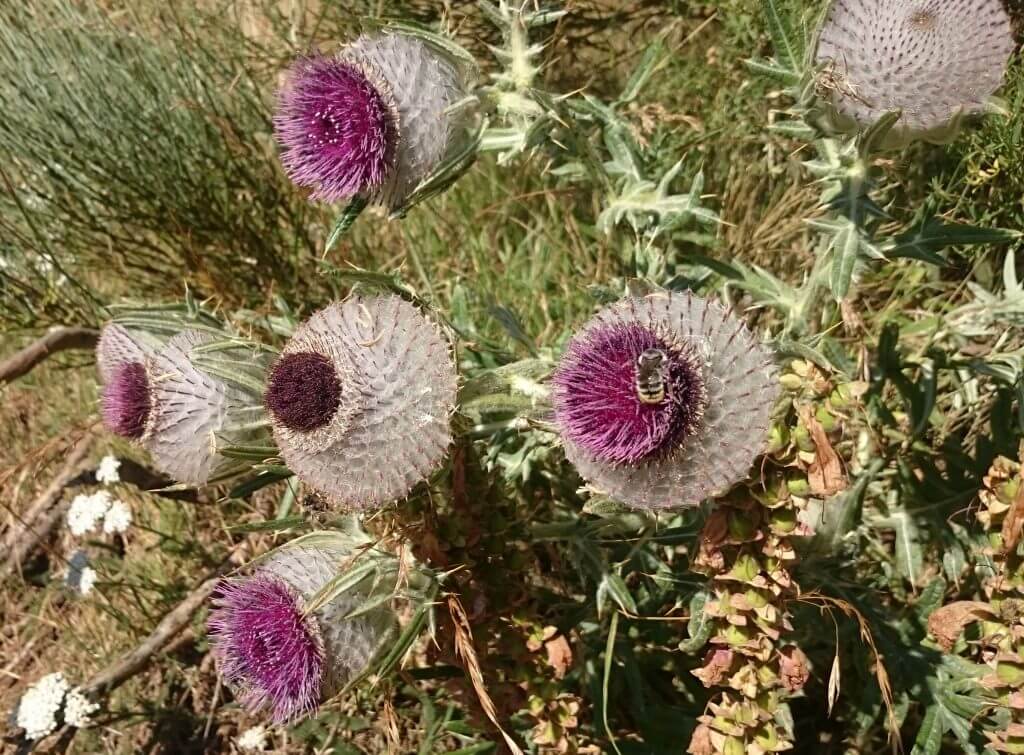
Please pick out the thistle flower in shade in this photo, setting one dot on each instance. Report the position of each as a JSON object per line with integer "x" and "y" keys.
{"x": 275, "y": 655}
{"x": 190, "y": 411}
{"x": 933, "y": 60}
{"x": 689, "y": 432}
{"x": 360, "y": 400}
{"x": 372, "y": 121}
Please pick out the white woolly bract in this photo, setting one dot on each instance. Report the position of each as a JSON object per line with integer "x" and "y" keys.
{"x": 931, "y": 59}
{"x": 349, "y": 644}
{"x": 741, "y": 391}
{"x": 78, "y": 709}
{"x": 189, "y": 410}
{"x": 118, "y": 346}
{"x": 39, "y": 706}
{"x": 106, "y": 472}
{"x": 398, "y": 393}
{"x": 421, "y": 85}
{"x": 87, "y": 511}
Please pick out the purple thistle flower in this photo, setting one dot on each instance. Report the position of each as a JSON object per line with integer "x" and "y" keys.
{"x": 693, "y": 442}
{"x": 270, "y": 653}
{"x": 599, "y": 407}
{"x": 125, "y": 400}
{"x": 361, "y": 400}
{"x": 279, "y": 657}
{"x": 338, "y": 128}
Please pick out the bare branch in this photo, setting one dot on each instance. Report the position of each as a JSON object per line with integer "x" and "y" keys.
{"x": 58, "y": 339}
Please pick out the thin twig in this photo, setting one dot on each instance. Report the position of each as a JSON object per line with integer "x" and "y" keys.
{"x": 57, "y": 340}
{"x": 44, "y": 513}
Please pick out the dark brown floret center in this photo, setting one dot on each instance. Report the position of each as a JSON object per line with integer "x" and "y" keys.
{"x": 304, "y": 391}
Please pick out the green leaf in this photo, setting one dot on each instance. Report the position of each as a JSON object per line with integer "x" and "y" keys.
{"x": 700, "y": 625}
{"x": 613, "y": 585}
{"x": 649, "y": 64}
{"x": 845, "y": 248}
{"x": 788, "y": 49}
{"x": 933, "y": 234}
{"x": 345, "y": 220}
{"x": 908, "y": 551}
{"x": 271, "y": 525}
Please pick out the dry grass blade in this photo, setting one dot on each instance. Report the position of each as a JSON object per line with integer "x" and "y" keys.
{"x": 827, "y": 603}
{"x": 467, "y": 652}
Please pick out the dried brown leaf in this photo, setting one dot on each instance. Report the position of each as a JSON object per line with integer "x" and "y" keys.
{"x": 946, "y": 623}
{"x": 825, "y": 474}
{"x": 559, "y": 655}
{"x": 1013, "y": 523}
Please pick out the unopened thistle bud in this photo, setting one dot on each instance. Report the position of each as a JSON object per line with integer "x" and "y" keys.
{"x": 373, "y": 120}
{"x": 277, "y": 656}
{"x": 663, "y": 401}
{"x": 932, "y": 60}
{"x": 361, "y": 399}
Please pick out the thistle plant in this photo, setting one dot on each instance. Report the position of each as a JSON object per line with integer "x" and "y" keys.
{"x": 303, "y": 624}
{"x": 690, "y": 438}
{"x": 990, "y": 632}
{"x": 889, "y": 74}
{"x": 361, "y": 398}
{"x": 182, "y": 387}
{"x": 931, "y": 62}
{"x": 374, "y": 121}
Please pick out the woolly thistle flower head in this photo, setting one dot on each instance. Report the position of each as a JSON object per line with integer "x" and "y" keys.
{"x": 124, "y": 400}
{"x": 663, "y": 401}
{"x": 372, "y": 120}
{"x": 190, "y": 411}
{"x": 277, "y": 656}
{"x": 933, "y": 60}
{"x": 360, "y": 400}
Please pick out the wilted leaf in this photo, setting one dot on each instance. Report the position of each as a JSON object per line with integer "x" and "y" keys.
{"x": 825, "y": 474}
{"x": 794, "y": 668}
{"x": 559, "y": 655}
{"x": 946, "y": 623}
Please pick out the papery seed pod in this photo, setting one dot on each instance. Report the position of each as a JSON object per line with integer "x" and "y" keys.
{"x": 361, "y": 399}
{"x": 191, "y": 412}
{"x": 372, "y": 120}
{"x": 933, "y": 60}
{"x": 278, "y": 657}
{"x": 718, "y": 388}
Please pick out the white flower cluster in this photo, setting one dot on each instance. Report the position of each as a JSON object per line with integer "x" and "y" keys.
{"x": 106, "y": 472}
{"x": 89, "y": 510}
{"x": 39, "y": 706}
{"x": 78, "y": 709}
{"x": 253, "y": 740}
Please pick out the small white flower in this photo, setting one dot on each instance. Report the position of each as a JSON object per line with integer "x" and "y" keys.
{"x": 254, "y": 739}
{"x": 78, "y": 708}
{"x": 87, "y": 580}
{"x": 118, "y": 518}
{"x": 38, "y": 708}
{"x": 86, "y": 512}
{"x": 107, "y": 471}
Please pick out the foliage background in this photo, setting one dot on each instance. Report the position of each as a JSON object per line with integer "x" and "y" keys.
{"x": 89, "y": 212}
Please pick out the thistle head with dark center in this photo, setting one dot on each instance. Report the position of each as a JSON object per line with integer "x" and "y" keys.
{"x": 626, "y": 394}
{"x": 337, "y": 127}
{"x": 125, "y": 400}
{"x": 304, "y": 391}
{"x": 268, "y": 651}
